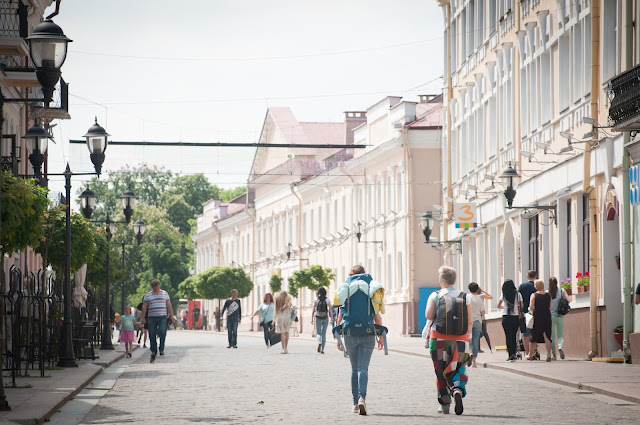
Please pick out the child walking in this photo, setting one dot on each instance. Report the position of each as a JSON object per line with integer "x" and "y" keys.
{"x": 127, "y": 334}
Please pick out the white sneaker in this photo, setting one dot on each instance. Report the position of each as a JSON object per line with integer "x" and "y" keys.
{"x": 281, "y": 351}
{"x": 286, "y": 351}
{"x": 356, "y": 409}
{"x": 444, "y": 408}
{"x": 362, "y": 406}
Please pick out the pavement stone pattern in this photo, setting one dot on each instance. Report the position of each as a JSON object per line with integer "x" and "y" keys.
{"x": 199, "y": 380}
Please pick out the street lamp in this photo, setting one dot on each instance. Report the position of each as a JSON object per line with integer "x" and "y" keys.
{"x": 97, "y": 140}
{"x": 138, "y": 227}
{"x": 128, "y": 203}
{"x": 426, "y": 220}
{"x": 36, "y": 142}
{"x": 87, "y": 202}
{"x": 510, "y": 179}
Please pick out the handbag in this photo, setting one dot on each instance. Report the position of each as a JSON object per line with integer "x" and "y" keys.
{"x": 294, "y": 316}
{"x": 529, "y": 319}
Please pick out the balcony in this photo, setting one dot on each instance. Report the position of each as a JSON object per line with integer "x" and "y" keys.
{"x": 13, "y": 28}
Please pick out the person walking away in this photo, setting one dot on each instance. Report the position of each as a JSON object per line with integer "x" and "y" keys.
{"x": 234, "y": 317}
{"x": 322, "y": 310}
{"x": 526, "y": 289}
{"x": 362, "y": 301}
{"x": 283, "y": 318}
{"x": 117, "y": 319}
{"x": 478, "y": 295}
{"x": 144, "y": 325}
{"x": 557, "y": 320}
{"x": 266, "y": 312}
{"x": 449, "y": 339}
{"x": 127, "y": 334}
{"x": 510, "y": 302}
{"x": 156, "y": 305}
{"x": 540, "y": 304}
{"x": 205, "y": 321}
{"x": 184, "y": 321}
{"x": 216, "y": 318}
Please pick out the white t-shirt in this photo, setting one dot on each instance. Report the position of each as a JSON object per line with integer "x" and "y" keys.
{"x": 454, "y": 293}
{"x": 505, "y": 308}
{"x": 477, "y": 306}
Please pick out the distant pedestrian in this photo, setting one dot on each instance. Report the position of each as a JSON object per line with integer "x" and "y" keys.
{"x": 637, "y": 294}
{"x": 449, "y": 351}
{"x": 157, "y": 305}
{"x": 117, "y": 320}
{"x": 283, "y": 318}
{"x": 557, "y": 320}
{"x": 216, "y": 318}
{"x": 143, "y": 326}
{"x": 321, "y": 312}
{"x": 266, "y": 312}
{"x": 127, "y": 334}
{"x": 234, "y": 317}
{"x": 541, "y": 306}
{"x": 362, "y": 301}
{"x": 184, "y": 321}
{"x": 511, "y": 302}
{"x": 205, "y": 321}
{"x": 195, "y": 313}
{"x": 478, "y": 295}
{"x": 526, "y": 289}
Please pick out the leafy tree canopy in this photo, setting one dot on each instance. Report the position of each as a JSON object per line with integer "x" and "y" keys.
{"x": 275, "y": 283}
{"x": 24, "y": 204}
{"x": 217, "y": 282}
{"x": 187, "y": 288}
{"x": 313, "y": 277}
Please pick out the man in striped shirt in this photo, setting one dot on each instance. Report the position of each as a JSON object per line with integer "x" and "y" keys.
{"x": 156, "y": 306}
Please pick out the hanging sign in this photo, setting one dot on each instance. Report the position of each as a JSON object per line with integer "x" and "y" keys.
{"x": 465, "y": 215}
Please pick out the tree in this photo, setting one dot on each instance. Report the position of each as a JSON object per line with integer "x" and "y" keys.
{"x": 187, "y": 288}
{"x": 97, "y": 267}
{"x": 313, "y": 277}
{"x": 275, "y": 283}
{"x": 52, "y": 247}
{"x": 217, "y": 282}
{"x": 228, "y": 194}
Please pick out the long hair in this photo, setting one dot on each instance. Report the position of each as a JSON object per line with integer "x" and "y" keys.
{"x": 509, "y": 293}
{"x": 283, "y": 300}
{"x": 553, "y": 287}
{"x": 322, "y": 293}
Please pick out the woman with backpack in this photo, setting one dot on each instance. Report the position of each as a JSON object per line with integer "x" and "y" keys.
{"x": 320, "y": 314}
{"x": 557, "y": 318}
{"x": 450, "y": 313}
{"x": 284, "y": 316}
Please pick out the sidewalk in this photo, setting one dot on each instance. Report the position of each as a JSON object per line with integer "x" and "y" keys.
{"x": 616, "y": 380}
{"x": 36, "y": 398}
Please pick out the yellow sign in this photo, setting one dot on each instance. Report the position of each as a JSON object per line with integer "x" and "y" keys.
{"x": 465, "y": 215}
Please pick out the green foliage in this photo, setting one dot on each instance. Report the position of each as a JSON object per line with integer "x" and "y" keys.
{"x": 217, "y": 282}
{"x": 275, "y": 283}
{"x": 187, "y": 288}
{"x": 83, "y": 244}
{"x": 313, "y": 277}
{"x": 228, "y": 194}
{"x": 24, "y": 204}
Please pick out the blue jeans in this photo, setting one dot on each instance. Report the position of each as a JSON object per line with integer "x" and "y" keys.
{"x": 157, "y": 327}
{"x": 321, "y": 330}
{"x": 232, "y": 330}
{"x": 360, "y": 349}
{"x": 265, "y": 328}
{"x": 475, "y": 337}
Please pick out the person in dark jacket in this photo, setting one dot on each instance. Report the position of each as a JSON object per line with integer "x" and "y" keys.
{"x": 234, "y": 316}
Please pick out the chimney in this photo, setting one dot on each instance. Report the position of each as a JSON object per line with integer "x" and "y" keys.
{"x": 428, "y": 98}
{"x": 353, "y": 119}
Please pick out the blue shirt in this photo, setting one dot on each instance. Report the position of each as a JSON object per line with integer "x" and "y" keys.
{"x": 526, "y": 289}
{"x": 266, "y": 312}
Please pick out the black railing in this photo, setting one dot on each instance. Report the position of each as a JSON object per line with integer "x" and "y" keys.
{"x": 13, "y": 19}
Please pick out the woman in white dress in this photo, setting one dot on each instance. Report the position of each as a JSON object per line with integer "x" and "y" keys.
{"x": 284, "y": 311}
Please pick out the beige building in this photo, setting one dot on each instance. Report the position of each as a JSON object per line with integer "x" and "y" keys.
{"x": 309, "y": 206}
{"x": 526, "y": 83}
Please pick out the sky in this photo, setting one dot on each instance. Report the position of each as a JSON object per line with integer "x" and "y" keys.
{"x": 207, "y": 70}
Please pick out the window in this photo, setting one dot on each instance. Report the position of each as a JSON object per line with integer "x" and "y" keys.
{"x": 471, "y": 32}
{"x": 463, "y": 36}
{"x": 533, "y": 243}
{"x": 568, "y": 250}
{"x": 493, "y": 15}
{"x": 564, "y": 71}
{"x": 586, "y": 225}
{"x": 493, "y": 143}
{"x": 480, "y": 22}
{"x": 609, "y": 39}
{"x": 546, "y": 107}
{"x": 454, "y": 45}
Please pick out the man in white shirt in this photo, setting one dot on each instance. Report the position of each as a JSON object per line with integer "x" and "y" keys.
{"x": 478, "y": 295}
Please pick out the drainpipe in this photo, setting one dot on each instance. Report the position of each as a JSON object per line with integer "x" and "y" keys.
{"x": 214, "y": 227}
{"x": 626, "y": 206}
{"x": 344, "y": 171}
{"x": 447, "y": 12}
{"x": 296, "y": 193}
{"x": 252, "y": 215}
{"x": 586, "y": 185}
{"x": 412, "y": 326}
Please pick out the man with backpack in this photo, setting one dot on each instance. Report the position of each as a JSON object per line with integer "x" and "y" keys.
{"x": 449, "y": 317}
{"x": 361, "y": 300}
{"x": 322, "y": 310}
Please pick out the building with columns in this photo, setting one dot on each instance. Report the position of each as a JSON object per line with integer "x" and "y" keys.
{"x": 527, "y": 86}
{"x": 335, "y": 207}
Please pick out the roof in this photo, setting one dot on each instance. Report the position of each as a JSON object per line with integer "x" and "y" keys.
{"x": 428, "y": 115}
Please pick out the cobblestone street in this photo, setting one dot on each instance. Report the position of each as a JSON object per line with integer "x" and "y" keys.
{"x": 200, "y": 380}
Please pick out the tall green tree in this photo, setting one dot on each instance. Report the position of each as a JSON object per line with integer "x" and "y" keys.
{"x": 187, "y": 288}
{"x": 312, "y": 277}
{"x": 184, "y": 198}
{"x": 217, "y": 282}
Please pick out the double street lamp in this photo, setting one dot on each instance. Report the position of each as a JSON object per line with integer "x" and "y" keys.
{"x": 88, "y": 202}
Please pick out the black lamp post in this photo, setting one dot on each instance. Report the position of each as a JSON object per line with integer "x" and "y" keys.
{"x": 87, "y": 202}
{"x": 139, "y": 228}
{"x": 97, "y": 143}
{"x": 128, "y": 203}
{"x": 510, "y": 179}
{"x": 426, "y": 220}
{"x": 36, "y": 142}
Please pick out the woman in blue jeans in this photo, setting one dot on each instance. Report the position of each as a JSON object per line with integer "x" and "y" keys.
{"x": 322, "y": 310}
{"x": 266, "y": 310}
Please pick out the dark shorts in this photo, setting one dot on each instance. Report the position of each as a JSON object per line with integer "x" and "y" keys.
{"x": 146, "y": 325}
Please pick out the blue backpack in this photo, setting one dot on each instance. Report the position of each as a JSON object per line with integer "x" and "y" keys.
{"x": 357, "y": 310}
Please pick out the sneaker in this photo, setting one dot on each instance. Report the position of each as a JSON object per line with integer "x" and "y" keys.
{"x": 286, "y": 351}
{"x": 153, "y": 358}
{"x": 282, "y": 351}
{"x": 554, "y": 358}
{"x": 444, "y": 409}
{"x": 362, "y": 406}
{"x": 319, "y": 347}
{"x": 561, "y": 353}
{"x": 457, "y": 396}
{"x": 228, "y": 346}
{"x": 356, "y": 409}
{"x": 144, "y": 345}
{"x": 162, "y": 353}
{"x": 322, "y": 352}
{"x": 480, "y": 350}
{"x": 235, "y": 346}
{"x": 473, "y": 364}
